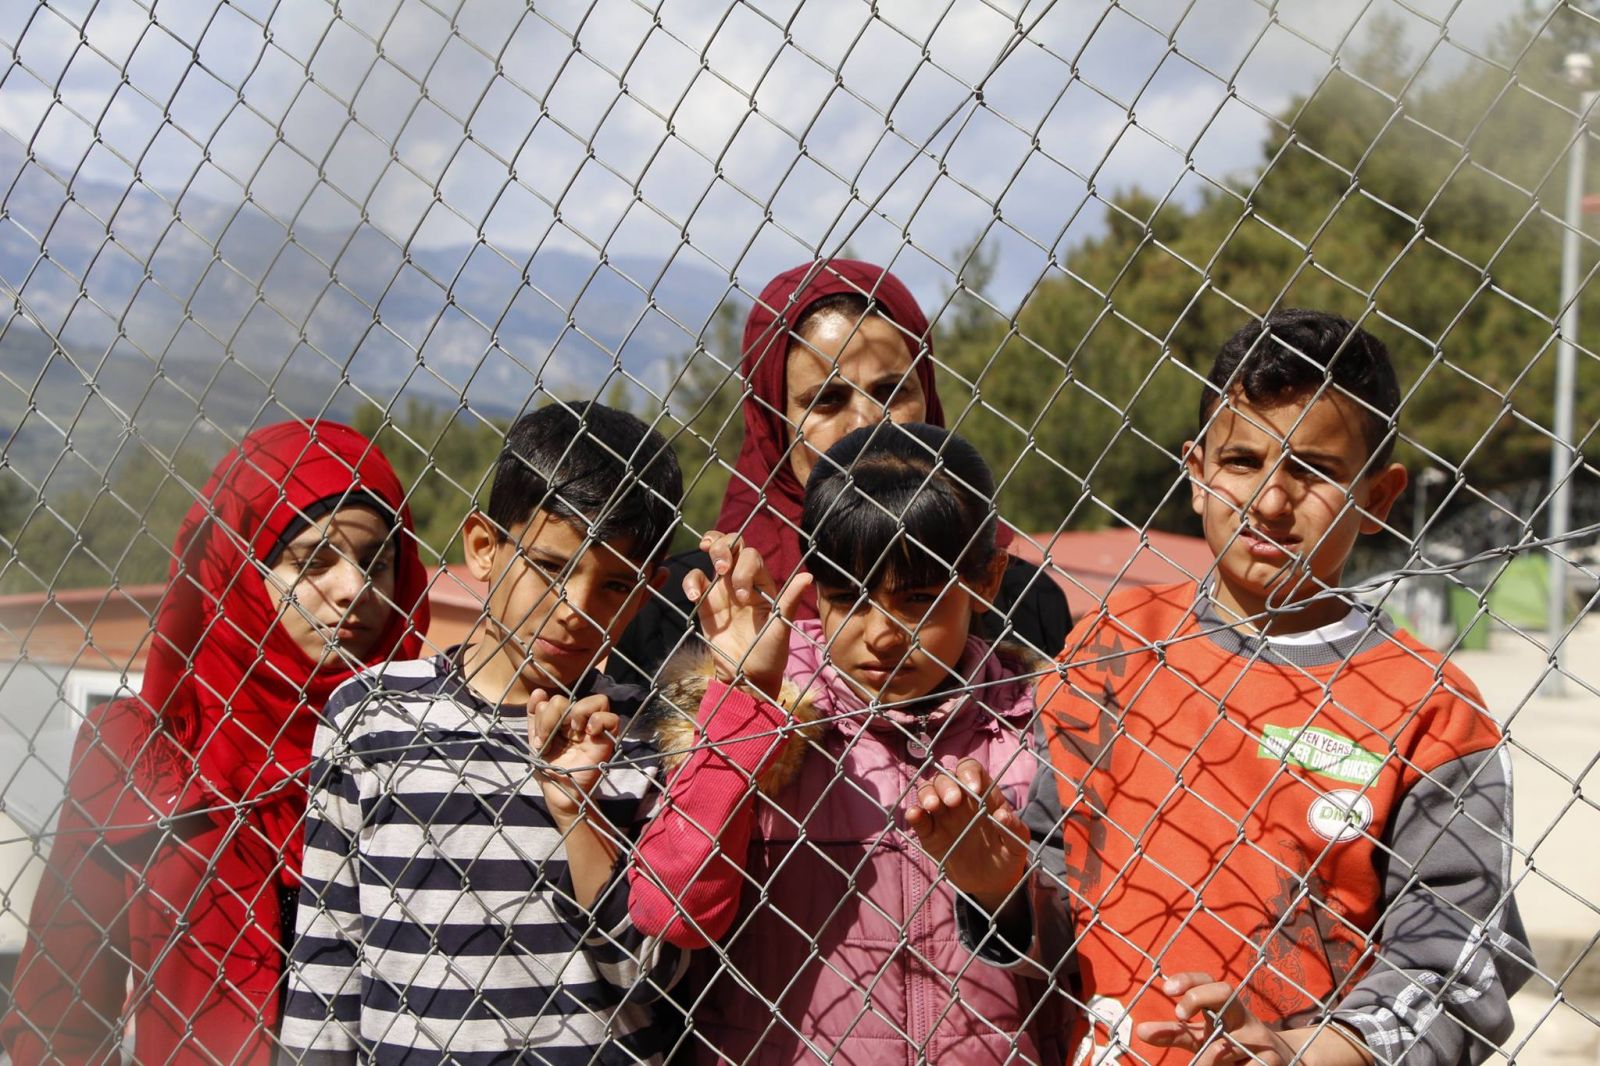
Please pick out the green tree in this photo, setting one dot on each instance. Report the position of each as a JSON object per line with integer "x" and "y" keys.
{"x": 1416, "y": 212}
{"x": 115, "y": 530}
{"x": 445, "y": 458}
{"x": 704, "y": 419}
{"x": 619, "y": 395}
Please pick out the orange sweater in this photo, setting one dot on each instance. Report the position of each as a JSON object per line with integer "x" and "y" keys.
{"x": 1269, "y": 815}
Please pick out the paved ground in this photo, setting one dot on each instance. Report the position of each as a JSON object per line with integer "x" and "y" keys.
{"x": 1555, "y": 745}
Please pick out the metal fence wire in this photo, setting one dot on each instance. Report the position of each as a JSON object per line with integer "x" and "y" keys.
{"x": 427, "y": 219}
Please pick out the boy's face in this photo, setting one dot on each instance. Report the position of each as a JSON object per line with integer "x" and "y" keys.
{"x": 555, "y": 605}
{"x": 1280, "y": 491}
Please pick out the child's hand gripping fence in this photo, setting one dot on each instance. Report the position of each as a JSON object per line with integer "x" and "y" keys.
{"x": 427, "y": 218}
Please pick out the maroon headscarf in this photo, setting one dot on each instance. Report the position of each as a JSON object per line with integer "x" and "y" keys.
{"x": 764, "y": 497}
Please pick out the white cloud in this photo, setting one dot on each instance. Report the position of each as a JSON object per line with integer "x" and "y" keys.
{"x": 816, "y": 155}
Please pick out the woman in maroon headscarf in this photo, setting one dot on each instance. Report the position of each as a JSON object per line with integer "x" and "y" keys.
{"x": 828, "y": 347}
{"x": 176, "y": 858}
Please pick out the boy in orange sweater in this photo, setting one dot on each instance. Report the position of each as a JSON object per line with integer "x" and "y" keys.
{"x": 1285, "y": 824}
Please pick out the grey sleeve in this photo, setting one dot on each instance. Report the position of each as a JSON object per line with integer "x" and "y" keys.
{"x": 322, "y": 1002}
{"x": 1450, "y": 946}
{"x": 1048, "y": 892}
{"x": 1042, "y": 948}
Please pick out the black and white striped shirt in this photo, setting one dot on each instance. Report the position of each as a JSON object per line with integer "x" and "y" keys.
{"x": 436, "y": 919}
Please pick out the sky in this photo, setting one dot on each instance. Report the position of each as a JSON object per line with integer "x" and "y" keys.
{"x": 742, "y": 137}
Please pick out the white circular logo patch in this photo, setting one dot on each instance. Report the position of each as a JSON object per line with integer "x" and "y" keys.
{"x": 1109, "y": 1019}
{"x": 1342, "y": 814}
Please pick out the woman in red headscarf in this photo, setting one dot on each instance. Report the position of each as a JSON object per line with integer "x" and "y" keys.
{"x": 828, "y": 347}
{"x": 176, "y": 858}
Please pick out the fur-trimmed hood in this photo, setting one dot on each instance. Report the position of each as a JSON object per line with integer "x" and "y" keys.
{"x": 672, "y": 714}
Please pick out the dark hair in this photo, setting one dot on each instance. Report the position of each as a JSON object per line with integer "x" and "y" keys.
{"x": 587, "y": 463}
{"x": 312, "y": 513}
{"x": 910, "y": 503}
{"x": 1293, "y": 354}
{"x": 849, "y": 305}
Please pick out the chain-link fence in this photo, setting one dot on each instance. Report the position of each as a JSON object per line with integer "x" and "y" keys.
{"x": 425, "y": 219}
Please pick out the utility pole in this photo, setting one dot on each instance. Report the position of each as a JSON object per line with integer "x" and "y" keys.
{"x": 1580, "y": 74}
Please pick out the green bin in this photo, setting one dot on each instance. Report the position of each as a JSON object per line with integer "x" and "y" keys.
{"x": 1520, "y": 595}
{"x": 1473, "y": 628}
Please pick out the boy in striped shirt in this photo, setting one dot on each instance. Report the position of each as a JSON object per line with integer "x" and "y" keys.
{"x": 469, "y": 812}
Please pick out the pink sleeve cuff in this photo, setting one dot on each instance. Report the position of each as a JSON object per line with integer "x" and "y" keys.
{"x": 694, "y": 849}
{"x": 740, "y": 729}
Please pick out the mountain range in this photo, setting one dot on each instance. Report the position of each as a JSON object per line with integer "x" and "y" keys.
{"x": 144, "y": 311}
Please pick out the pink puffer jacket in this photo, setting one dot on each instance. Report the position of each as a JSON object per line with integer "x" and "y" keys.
{"x": 837, "y": 939}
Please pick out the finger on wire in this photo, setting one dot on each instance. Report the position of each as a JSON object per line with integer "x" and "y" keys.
{"x": 695, "y": 585}
{"x": 793, "y": 594}
{"x": 922, "y": 815}
{"x": 547, "y": 716}
{"x": 535, "y": 733}
{"x": 1199, "y": 995}
{"x": 749, "y": 579}
{"x": 589, "y": 717}
{"x": 1205, "y": 1036}
{"x": 1211, "y": 1020}
{"x": 1224, "y": 1052}
{"x": 723, "y": 549}
{"x": 974, "y": 776}
{"x": 954, "y": 791}
{"x": 1176, "y": 984}
{"x": 1181, "y": 1035}
{"x": 602, "y": 724}
{"x": 937, "y": 797}
{"x": 962, "y": 786}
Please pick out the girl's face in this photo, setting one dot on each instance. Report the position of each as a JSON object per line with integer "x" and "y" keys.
{"x": 841, "y": 376}
{"x": 899, "y": 645}
{"x": 333, "y": 584}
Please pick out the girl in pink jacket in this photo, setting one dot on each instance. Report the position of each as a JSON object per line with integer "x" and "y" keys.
{"x": 840, "y": 827}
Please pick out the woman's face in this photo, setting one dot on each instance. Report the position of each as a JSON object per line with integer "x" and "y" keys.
{"x": 333, "y": 584}
{"x": 840, "y": 377}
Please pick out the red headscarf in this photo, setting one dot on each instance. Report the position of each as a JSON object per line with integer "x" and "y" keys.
{"x": 223, "y": 724}
{"x": 233, "y": 687}
{"x": 764, "y": 497}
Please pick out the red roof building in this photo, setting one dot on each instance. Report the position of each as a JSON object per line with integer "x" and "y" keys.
{"x": 1090, "y": 564}
{"x": 107, "y": 628}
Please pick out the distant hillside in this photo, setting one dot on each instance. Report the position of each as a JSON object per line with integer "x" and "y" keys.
{"x": 207, "y": 308}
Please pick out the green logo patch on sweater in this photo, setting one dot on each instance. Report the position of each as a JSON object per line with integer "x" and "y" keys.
{"x": 1320, "y": 752}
